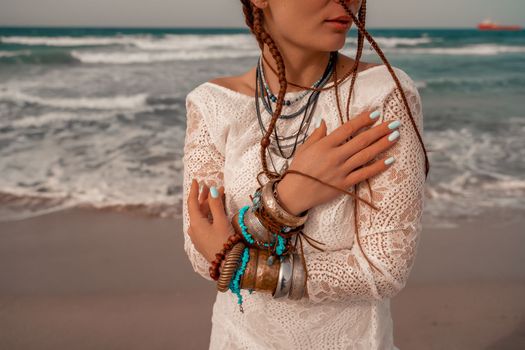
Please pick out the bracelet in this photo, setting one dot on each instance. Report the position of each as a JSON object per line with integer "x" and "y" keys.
{"x": 284, "y": 280}
{"x": 265, "y": 275}
{"x": 276, "y": 210}
{"x": 227, "y": 246}
{"x": 235, "y": 280}
{"x": 298, "y": 285}
{"x": 231, "y": 263}
{"x": 248, "y": 278}
{"x": 260, "y": 234}
{"x": 278, "y": 244}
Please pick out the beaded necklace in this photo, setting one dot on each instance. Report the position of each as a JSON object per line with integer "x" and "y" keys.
{"x": 270, "y": 97}
{"x": 307, "y": 110}
{"x": 273, "y": 98}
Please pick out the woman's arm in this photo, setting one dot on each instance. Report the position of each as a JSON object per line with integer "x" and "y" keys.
{"x": 390, "y": 236}
{"x": 202, "y": 161}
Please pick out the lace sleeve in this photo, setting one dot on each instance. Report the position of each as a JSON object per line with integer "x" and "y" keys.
{"x": 390, "y": 236}
{"x": 202, "y": 161}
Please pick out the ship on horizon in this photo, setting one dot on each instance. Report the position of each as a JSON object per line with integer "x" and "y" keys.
{"x": 488, "y": 24}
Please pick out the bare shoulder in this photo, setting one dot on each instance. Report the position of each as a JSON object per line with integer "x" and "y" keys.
{"x": 240, "y": 83}
{"x": 244, "y": 83}
{"x": 346, "y": 63}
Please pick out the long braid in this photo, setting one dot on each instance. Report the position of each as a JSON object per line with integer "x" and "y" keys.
{"x": 265, "y": 38}
{"x": 254, "y": 18}
{"x": 361, "y": 28}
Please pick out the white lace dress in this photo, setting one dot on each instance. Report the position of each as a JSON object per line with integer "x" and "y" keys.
{"x": 348, "y": 306}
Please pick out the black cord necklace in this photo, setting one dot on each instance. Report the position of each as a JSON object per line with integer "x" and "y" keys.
{"x": 308, "y": 110}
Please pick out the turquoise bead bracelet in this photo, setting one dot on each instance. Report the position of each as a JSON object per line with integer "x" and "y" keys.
{"x": 235, "y": 281}
{"x": 244, "y": 230}
{"x": 281, "y": 242}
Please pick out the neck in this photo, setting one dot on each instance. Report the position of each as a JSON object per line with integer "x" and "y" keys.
{"x": 302, "y": 67}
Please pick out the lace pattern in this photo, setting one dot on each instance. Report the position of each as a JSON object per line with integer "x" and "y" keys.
{"x": 348, "y": 302}
{"x": 203, "y": 162}
{"x": 390, "y": 236}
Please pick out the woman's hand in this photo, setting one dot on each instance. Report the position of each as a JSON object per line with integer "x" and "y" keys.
{"x": 336, "y": 161}
{"x": 207, "y": 234}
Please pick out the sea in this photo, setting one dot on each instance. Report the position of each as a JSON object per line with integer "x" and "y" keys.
{"x": 95, "y": 117}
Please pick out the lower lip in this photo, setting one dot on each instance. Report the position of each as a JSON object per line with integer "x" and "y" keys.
{"x": 338, "y": 25}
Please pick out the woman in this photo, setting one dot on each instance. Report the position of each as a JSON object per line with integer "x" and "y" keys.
{"x": 363, "y": 253}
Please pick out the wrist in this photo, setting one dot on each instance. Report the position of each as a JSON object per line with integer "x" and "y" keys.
{"x": 287, "y": 200}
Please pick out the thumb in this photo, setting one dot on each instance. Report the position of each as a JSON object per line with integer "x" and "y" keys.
{"x": 318, "y": 133}
{"x": 216, "y": 204}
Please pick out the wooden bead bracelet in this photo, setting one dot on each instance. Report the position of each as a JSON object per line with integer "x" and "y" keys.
{"x": 219, "y": 257}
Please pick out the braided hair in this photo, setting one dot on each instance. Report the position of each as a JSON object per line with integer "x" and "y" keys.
{"x": 254, "y": 20}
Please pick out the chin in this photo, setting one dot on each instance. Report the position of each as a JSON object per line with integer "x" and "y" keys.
{"x": 333, "y": 42}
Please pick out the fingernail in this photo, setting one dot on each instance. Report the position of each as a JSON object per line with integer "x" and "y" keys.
{"x": 394, "y": 124}
{"x": 201, "y": 185}
{"x": 318, "y": 120}
{"x": 214, "y": 192}
{"x": 375, "y": 114}
{"x": 389, "y": 161}
{"x": 393, "y": 135}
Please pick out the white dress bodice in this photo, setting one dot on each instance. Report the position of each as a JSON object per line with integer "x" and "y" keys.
{"x": 348, "y": 304}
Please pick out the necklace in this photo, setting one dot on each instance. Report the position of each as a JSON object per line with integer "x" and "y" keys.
{"x": 308, "y": 108}
{"x": 264, "y": 85}
{"x": 273, "y": 98}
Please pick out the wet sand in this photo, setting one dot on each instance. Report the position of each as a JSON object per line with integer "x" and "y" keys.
{"x": 86, "y": 279}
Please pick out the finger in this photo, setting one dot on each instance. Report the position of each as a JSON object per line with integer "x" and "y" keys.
{"x": 318, "y": 133}
{"x": 203, "y": 199}
{"x": 194, "y": 210}
{"x": 223, "y": 196}
{"x": 349, "y": 128}
{"x": 217, "y": 207}
{"x": 203, "y": 194}
{"x": 369, "y": 153}
{"x": 368, "y": 137}
{"x": 369, "y": 171}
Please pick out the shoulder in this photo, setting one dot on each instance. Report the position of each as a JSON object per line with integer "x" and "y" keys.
{"x": 383, "y": 78}
{"x": 240, "y": 84}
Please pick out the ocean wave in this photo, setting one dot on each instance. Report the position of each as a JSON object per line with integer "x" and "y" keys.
{"x": 478, "y": 82}
{"x": 121, "y": 102}
{"x": 152, "y": 57}
{"x": 169, "y": 42}
{"x": 53, "y": 118}
{"x": 64, "y": 41}
{"x": 179, "y": 41}
{"x": 476, "y": 50}
{"x": 14, "y": 53}
{"x": 399, "y": 41}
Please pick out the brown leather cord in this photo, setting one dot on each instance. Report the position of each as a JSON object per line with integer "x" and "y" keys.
{"x": 254, "y": 20}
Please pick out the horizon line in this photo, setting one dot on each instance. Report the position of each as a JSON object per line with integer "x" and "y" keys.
{"x": 193, "y": 27}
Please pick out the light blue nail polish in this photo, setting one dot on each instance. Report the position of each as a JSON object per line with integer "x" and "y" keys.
{"x": 200, "y": 187}
{"x": 389, "y": 161}
{"x": 394, "y": 135}
{"x": 375, "y": 114}
{"x": 214, "y": 192}
{"x": 394, "y": 124}
{"x": 318, "y": 120}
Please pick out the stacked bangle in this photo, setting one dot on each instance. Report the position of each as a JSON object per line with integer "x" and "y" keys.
{"x": 263, "y": 233}
{"x": 298, "y": 285}
{"x": 227, "y": 246}
{"x": 284, "y": 279}
{"x": 231, "y": 262}
{"x": 276, "y": 211}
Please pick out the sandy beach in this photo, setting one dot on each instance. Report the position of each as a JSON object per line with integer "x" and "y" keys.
{"x": 87, "y": 279}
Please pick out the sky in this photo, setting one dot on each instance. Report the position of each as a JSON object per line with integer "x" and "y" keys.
{"x": 227, "y": 13}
